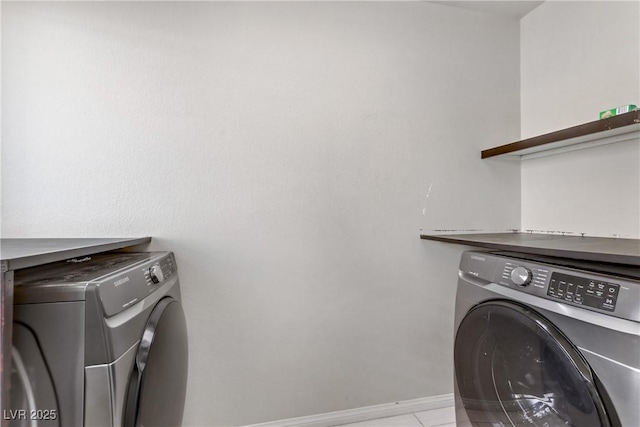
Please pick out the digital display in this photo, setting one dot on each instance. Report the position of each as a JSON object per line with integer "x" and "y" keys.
{"x": 583, "y": 291}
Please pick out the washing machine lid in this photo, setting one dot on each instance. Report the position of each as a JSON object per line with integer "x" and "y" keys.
{"x": 513, "y": 367}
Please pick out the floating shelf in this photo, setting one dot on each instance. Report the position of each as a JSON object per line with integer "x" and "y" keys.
{"x": 623, "y": 127}
{"x": 23, "y": 253}
{"x": 598, "y": 249}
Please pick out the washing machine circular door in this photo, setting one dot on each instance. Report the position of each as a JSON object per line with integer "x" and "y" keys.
{"x": 514, "y": 368}
{"x": 158, "y": 383}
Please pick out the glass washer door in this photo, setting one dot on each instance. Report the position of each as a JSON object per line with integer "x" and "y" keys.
{"x": 514, "y": 368}
{"x": 158, "y": 382}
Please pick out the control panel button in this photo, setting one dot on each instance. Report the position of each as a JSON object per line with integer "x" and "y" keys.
{"x": 583, "y": 291}
{"x": 156, "y": 274}
{"x": 521, "y": 276}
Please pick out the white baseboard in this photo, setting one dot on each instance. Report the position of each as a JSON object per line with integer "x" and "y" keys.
{"x": 364, "y": 413}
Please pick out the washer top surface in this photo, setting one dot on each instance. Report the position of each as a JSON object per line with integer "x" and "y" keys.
{"x": 77, "y": 270}
{"x": 119, "y": 279}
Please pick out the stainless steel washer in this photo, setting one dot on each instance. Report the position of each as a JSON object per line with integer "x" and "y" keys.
{"x": 99, "y": 341}
{"x": 546, "y": 342}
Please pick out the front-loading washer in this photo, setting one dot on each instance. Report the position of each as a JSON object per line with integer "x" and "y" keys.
{"x": 99, "y": 341}
{"x": 546, "y": 342}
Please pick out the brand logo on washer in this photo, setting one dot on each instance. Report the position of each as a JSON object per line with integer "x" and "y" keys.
{"x": 478, "y": 258}
{"x": 121, "y": 281}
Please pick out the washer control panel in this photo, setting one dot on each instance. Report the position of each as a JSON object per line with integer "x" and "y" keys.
{"x": 517, "y": 274}
{"x": 159, "y": 271}
{"x": 132, "y": 285}
{"x": 612, "y": 289}
{"x": 583, "y": 291}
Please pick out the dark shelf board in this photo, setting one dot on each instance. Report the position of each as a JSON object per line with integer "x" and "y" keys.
{"x": 597, "y": 249}
{"x": 616, "y": 125}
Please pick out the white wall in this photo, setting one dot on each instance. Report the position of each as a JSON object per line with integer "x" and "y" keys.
{"x": 577, "y": 59}
{"x": 285, "y": 152}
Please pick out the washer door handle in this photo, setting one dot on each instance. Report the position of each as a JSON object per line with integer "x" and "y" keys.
{"x": 158, "y": 381}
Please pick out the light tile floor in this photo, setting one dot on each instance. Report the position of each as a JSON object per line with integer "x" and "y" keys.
{"x": 441, "y": 417}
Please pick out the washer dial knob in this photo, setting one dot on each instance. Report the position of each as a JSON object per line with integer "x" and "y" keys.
{"x": 521, "y": 276}
{"x": 156, "y": 274}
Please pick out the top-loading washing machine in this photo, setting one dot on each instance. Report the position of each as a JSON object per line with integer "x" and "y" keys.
{"x": 546, "y": 342}
{"x": 99, "y": 341}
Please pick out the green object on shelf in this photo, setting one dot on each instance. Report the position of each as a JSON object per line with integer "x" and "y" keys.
{"x": 615, "y": 111}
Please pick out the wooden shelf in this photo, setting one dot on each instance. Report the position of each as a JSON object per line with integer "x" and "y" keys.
{"x": 595, "y": 249}
{"x": 23, "y": 253}
{"x": 600, "y": 132}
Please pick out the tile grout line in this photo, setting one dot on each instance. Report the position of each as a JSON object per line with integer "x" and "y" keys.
{"x": 416, "y": 417}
